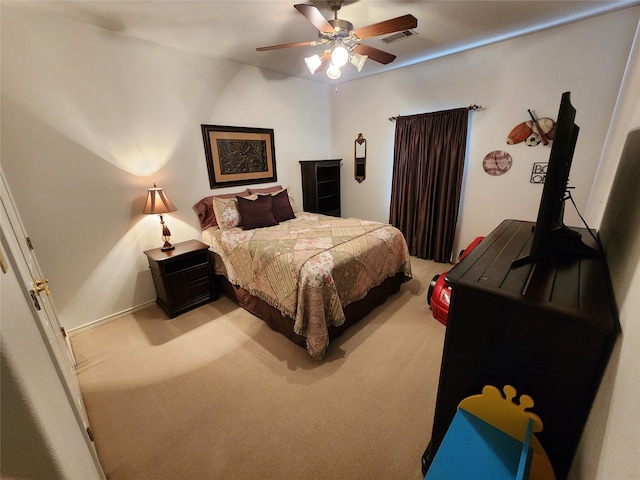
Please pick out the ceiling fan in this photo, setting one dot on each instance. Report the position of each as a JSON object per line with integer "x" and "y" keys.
{"x": 343, "y": 40}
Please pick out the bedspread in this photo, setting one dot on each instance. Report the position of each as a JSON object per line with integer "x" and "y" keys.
{"x": 312, "y": 266}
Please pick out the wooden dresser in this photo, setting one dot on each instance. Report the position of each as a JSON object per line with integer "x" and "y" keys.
{"x": 546, "y": 328}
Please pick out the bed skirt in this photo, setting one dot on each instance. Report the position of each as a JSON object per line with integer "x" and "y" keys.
{"x": 276, "y": 321}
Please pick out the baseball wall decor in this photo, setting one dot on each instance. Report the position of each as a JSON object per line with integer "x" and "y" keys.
{"x": 497, "y": 162}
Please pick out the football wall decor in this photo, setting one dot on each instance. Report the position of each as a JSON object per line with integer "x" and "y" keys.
{"x": 527, "y": 132}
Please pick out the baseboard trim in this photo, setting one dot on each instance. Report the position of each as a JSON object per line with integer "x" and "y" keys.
{"x": 109, "y": 318}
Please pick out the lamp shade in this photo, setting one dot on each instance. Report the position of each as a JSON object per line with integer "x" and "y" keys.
{"x": 357, "y": 60}
{"x": 313, "y": 63}
{"x": 158, "y": 202}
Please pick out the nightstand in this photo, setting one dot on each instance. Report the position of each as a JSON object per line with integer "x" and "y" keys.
{"x": 182, "y": 277}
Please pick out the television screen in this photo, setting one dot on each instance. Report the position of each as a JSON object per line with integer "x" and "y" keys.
{"x": 551, "y": 237}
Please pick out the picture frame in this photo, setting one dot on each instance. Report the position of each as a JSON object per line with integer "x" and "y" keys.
{"x": 239, "y": 155}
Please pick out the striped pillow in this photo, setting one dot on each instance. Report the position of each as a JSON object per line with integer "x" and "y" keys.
{"x": 256, "y": 213}
{"x": 281, "y": 206}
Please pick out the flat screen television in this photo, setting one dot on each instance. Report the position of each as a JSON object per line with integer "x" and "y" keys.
{"x": 551, "y": 237}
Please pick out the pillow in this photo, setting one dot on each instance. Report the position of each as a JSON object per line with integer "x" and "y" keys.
{"x": 256, "y": 213}
{"x": 204, "y": 208}
{"x": 244, "y": 193}
{"x": 206, "y": 215}
{"x": 293, "y": 204}
{"x": 281, "y": 207}
{"x": 275, "y": 188}
{"x": 227, "y": 213}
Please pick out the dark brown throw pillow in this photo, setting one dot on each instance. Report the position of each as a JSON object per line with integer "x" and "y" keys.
{"x": 281, "y": 207}
{"x": 256, "y": 213}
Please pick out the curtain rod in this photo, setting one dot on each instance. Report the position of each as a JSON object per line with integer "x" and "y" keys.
{"x": 473, "y": 107}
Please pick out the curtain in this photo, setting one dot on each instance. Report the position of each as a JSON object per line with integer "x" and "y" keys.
{"x": 429, "y": 153}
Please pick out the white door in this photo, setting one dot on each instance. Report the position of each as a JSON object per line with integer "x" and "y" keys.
{"x": 36, "y": 281}
{"x": 32, "y": 280}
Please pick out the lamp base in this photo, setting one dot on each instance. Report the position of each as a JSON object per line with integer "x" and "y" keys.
{"x": 166, "y": 247}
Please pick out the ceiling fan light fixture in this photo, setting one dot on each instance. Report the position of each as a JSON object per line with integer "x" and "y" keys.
{"x": 341, "y": 39}
{"x": 333, "y": 72}
{"x": 313, "y": 63}
{"x": 358, "y": 60}
{"x": 339, "y": 55}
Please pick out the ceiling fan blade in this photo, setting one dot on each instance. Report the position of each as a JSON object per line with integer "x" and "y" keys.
{"x": 287, "y": 45}
{"x": 315, "y": 17}
{"x": 406, "y": 22}
{"x": 375, "y": 54}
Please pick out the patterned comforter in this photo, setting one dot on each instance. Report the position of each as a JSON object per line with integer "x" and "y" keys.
{"x": 311, "y": 266}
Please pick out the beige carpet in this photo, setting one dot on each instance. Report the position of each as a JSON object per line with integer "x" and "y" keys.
{"x": 216, "y": 394}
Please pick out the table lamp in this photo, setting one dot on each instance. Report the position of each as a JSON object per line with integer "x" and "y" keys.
{"x": 158, "y": 203}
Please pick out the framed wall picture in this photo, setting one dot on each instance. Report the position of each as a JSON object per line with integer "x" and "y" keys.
{"x": 239, "y": 155}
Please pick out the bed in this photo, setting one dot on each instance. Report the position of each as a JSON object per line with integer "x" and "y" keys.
{"x": 308, "y": 276}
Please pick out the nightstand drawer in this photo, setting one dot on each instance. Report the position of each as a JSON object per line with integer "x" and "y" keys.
{"x": 186, "y": 277}
{"x": 193, "y": 293}
{"x": 184, "y": 262}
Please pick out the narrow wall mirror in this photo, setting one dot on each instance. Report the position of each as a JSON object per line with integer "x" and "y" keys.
{"x": 360, "y": 158}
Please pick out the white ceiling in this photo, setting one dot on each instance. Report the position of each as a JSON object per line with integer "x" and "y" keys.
{"x": 233, "y": 29}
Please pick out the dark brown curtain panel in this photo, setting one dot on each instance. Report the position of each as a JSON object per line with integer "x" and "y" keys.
{"x": 429, "y": 152}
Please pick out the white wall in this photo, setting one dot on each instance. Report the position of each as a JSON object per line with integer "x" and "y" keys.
{"x": 531, "y": 72}
{"x": 92, "y": 118}
{"x": 611, "y": 446}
